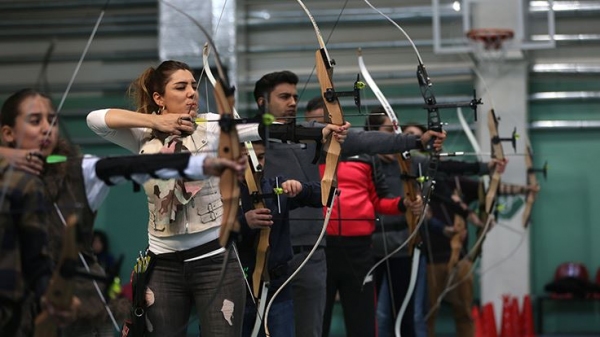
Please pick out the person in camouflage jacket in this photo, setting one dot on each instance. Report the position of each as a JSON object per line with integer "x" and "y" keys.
{"x": 25, "y": 262}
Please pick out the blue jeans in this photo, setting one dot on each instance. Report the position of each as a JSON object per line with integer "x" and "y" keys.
{"x": 395, "y": 284}
{"x": 385, "y": 319}
{"x": 421, "y": 306}
{"x": 177, "y": 286}
{"x": 281, "y": 319}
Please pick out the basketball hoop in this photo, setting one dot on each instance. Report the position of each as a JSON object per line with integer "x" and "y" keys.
{"x": 492, "y": 38}
{"x": 489, "y": 45}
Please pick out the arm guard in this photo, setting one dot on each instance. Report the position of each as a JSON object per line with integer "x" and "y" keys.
{"x": 126, "y": 166}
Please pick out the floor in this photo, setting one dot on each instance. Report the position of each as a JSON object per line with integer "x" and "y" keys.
{"x": 445, "y": 326}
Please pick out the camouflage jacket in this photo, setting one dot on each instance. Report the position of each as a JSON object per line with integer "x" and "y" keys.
{"x": 181, "y": 206}
{"x": 25, "y": 263}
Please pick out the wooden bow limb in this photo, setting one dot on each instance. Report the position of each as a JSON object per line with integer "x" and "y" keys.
{"x": 497, "y": 153}
{"x": 61, "y": 289}
{"x": 487, "y": 219}
{"x": 456, "y": 242}
{"x": 532, "y": 181}
{"x": 460, "y": 229}
{"x": 333, "y": 111}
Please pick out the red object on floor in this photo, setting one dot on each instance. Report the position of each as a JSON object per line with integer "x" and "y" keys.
{"x": 515, "y": 317}
{"x": 527, "y": 327}
{"x": 489, "y": 321}
{"x": 477, "y": 321}
{"x": 572, "y": 269}
{"x": 507, "y": 329}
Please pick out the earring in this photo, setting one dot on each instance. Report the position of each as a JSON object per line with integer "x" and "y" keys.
{"x": 160, "y": 109}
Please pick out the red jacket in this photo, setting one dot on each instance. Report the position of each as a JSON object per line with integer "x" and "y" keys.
{"x": 354, "y": 210}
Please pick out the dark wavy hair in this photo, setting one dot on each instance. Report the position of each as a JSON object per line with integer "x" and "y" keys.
{"x": 10, "y": 108}
{"x": 267, "y": 83}
{"x": 153, "y": 80}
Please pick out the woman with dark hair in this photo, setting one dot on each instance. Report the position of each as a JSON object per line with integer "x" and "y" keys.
{"x": 185, "y": 216}
{"x": 102, "y": 252}
{"x": 27, "y": 124}
{"x": 78, "y": 185}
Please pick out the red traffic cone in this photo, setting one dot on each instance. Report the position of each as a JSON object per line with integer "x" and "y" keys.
{"x": 527, "y": 327}
{"x": 507, "y": 328}
{"x": 515, "y": 317}
{"x": 489, "y": 321}
{"x": 478, "y": 322}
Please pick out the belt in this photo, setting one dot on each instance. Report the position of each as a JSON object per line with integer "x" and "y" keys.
{"x": 183, "y": 255}
{"x": 300, "y": 249}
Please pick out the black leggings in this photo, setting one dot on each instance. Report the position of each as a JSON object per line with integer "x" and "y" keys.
{"x": 348, "y": 260}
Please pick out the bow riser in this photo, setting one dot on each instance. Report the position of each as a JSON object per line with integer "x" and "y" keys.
{"x": 410, "y": 192}
{"x": 262, "y": 248}
{"x": 456, "y": 242}
{"x": 335, "y": 116}
{"x": 229, "y": 147}
{"x": 230, "y": 193}
{"x": 497, "y": 153}
{"x": 531, "y": 180}
{"x": 224, "y": 95}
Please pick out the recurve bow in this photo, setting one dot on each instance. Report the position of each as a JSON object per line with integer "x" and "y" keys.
{"x": 434, "y": 123}
{"x": 403, "y": 159}
{"x": 334, "y": 115}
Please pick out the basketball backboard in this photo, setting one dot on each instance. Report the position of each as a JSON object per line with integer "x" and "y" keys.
{"x": 531, "y": 21}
